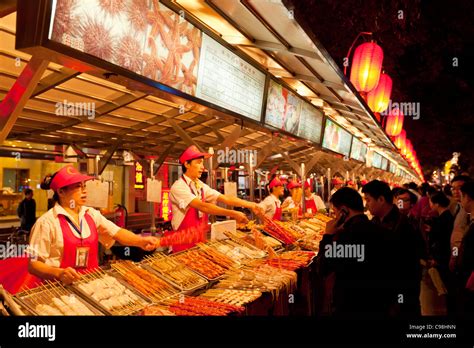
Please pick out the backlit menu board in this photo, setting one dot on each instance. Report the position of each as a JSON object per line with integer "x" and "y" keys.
{"x": 229, "y": 81}
{"x": 336, "y": 138}
{"x": 149, "y": 39}
{"x": 377, "y": 160}
{"x": 286, "y": 111}
{"x": 384, "y": 163}
{"x": 358, "y": 150}
{"x": 392, "y": 167}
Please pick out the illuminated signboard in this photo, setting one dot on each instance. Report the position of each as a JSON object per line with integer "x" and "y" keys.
{"x": 392, "y": 167}
{"x": 152, "y": 41}
{"x": 286, "y": 111}
{"x": 377, "y": 160}
{"x": 336, "y": 138}
{"x": 358, "y": 150}
{"x": 139, "y": 183}
{"x": 165, "y": 205}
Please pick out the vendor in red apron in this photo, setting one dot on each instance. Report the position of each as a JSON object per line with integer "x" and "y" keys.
{"x": 292, "y": 201}
{"x": 64, "y": 241}
{"x": 313, "y": 202}
{"x": 271, "y": 204}
{"x": 192, "y": 200}
{"x": 337, "y": 183}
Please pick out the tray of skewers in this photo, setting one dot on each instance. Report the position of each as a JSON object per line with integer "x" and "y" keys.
{"x": 198, "y": 306}
{"x": 289, "y": 260}
{"x": 206, "y": 261}
{"x": 237, "y": 249}
{"x": 175, "y": 272}
{"x": 233, "y": 297}
{"x": 280, "y": 231}
{"x": 53, "y": 298}
{"x": 108, "y": 291}
{"x": 150, "y": 285}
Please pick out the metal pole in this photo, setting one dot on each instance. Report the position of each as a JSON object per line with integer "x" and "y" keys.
{"x": 329, "y": 185}
{"x": 212, "y": 184}
{"x": 303, "y": 181}
{"x": 259, "y": 183}
{"x": 152, "y": 204}
{"x": 251, "y": 181}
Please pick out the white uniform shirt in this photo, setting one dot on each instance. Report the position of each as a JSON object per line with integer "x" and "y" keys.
{"x": 268, "y": 205}
{"x": 46, "y": 240}
{"x": 291, "y": 203}
{"x": 184, "y": 192}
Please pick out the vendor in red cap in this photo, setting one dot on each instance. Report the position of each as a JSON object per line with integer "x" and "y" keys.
{"x": 294, "y": 199}
{"x": 337, "y": 183}
{"x": 65, "y": 240}
{"x": 271, "y": 204}
{"x": 313, "y": 202}
{"x": 192, "y": 200}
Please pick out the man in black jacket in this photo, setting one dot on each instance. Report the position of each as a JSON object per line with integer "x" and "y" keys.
{"x": 467, "y": 251}
{"x": 403, "y": 248}
{"x": 349, "y": 259}
{"x": 27, "y": 211}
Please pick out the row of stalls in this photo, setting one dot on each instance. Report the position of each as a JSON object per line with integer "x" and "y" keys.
{"x": 120, "y": 90}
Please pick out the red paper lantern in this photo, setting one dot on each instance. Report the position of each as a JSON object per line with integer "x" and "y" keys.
{"x": 400, "y": 139}
{"x": 394, "y": 122}
{"x": 379, "y": 98}
{"x": 366, "y": 66}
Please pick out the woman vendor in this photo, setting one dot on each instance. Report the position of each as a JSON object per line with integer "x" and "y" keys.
{"x": 192, "y": 200}
{"x": 271, "y": 204}
{"x": 64, "y": 241}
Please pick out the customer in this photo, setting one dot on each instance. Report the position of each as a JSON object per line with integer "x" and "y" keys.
{"x": 27, "y": 211}
{"x": 404, "y": 199}
{"x": 461, "y": 220}
{"x": 352, "y": 284}
{"x": 467, "y": 251}
{"x": 403, "y": 250}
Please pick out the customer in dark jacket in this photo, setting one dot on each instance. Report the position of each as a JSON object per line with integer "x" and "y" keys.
{"x": 349, "y": 259}
{"x": 467, "y": 250}
{"x": 403, "y": 248}
{"x": 27, "y": 211}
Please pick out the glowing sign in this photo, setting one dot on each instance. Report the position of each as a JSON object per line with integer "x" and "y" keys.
{"x": 165, "y": 205}
{"x": 139, "y": 176}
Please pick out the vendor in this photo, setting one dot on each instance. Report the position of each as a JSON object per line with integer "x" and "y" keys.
{"x": 292, "y": 201}
{"x": 271, "y": 204}
{"x": 65, "y": 240}
{"x": 313, "y": 202}
{"x": 192, "y": 200}
{"x": 337, "y": 183}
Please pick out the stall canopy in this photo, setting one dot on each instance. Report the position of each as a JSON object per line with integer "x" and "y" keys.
{"x": 148, "y": 121}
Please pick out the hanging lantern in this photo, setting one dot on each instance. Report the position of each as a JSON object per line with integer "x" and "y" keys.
{"x": 394, "y": 122}
{"x": 379, "y": 98}
{"x": 400, "y": 139}
{"x": 406, "y": 148}
{"x": 366, "y": 66}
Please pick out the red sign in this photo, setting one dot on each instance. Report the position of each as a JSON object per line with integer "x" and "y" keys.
{"x": 139, "y": 176}
{"x": 166, "y": 205}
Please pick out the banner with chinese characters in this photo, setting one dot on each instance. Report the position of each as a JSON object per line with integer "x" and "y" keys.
{"x": 139, "y": 182}
{"x": 165, "y": 205}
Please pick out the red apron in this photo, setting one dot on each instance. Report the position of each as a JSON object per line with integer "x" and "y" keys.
{"x": 71, "y": 242}
{"x": 277, "y": 215}
{"x": 311, "y": 204}
{"x": 192, "y": 219}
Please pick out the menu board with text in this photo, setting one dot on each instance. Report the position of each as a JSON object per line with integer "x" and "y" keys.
{"x": 336, "y": 138}
{"x": 358, "y": 150}
{"x": 229, "y": 81}
{"x": 377, "y": 160}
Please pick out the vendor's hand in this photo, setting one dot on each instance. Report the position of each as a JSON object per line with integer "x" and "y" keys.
{"x": 68, "y": 275}
{"x": 240, "y": 217}
{"x": 149, "y": 243}
{"x": 257, "y": 210}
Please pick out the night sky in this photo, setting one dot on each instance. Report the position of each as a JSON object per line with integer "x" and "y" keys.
{"x": 419, "y": 52}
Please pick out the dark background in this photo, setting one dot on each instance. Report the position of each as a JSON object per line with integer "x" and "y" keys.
{"x": 418, "y": 56}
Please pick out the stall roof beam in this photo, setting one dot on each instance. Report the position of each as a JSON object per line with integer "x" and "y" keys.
{"x": 276, "y": 47}
{"x": 186, "y": 138}
{"x": 13, "y": 103}
{"x": 53, "y": 80}
{"x": 159, "y": 162}
{"x": 108, "y": 155}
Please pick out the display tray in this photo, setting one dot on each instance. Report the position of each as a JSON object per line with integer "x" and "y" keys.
{"x": 134, "y": 305}
{"x": 52, "y": 298}
{"x": 150, "y": 285}
{"x": 177, "y": 255}
{"x": 200, "y": 281}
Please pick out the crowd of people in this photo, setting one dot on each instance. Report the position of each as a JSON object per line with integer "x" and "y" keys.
{"x": 418, "y": 251}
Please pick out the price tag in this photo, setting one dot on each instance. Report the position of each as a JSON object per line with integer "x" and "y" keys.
{"x": 153, "y": 190}
{"x": 97, "y": 194}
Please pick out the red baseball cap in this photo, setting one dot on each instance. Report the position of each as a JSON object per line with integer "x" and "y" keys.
{"x": 363, "y": 182}
{"x": 337, "y": 181}
{"x": 191, "y": 153}
{"x": 275, "y": 182}
{"x": 66, "y": 176}
{"x": 293, "y": 184}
